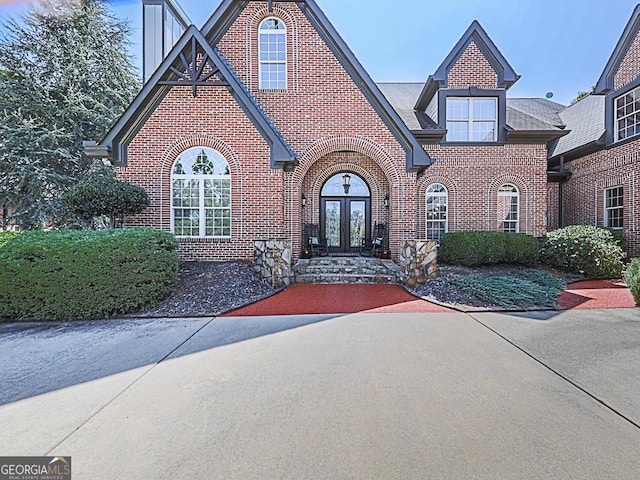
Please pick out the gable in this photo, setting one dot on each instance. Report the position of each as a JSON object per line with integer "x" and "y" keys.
{"x": 623, "y": 66}
{"x": 472, "y": 69}
{"x": 224, "y": 19}
{"x": 195, "y": 64}
{"x": 474, "y": 59}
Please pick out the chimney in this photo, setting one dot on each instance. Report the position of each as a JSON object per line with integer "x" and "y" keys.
{"x": 163, "y": 23}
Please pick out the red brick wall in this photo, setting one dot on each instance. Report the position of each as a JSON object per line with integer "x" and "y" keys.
{"x": 212, "y": 119}
{"x": 472, "y": 69}
{"x": 473, "y": 176}
{"x": 584, "y": 193}
{"x": 628, "y": 70}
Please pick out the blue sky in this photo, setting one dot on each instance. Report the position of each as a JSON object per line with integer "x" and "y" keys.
{"x": 558, "y": 46}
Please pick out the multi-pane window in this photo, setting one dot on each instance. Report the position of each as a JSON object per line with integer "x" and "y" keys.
{"x": 472, "y": 119}
{"x": 627, "y": 108}
{"x": 508, "y": 208}
{"x": 437, "y": 205}
{"x": 272, "y": 45}
{"x": 614, "y": 207}
{"x": 201, "y": 194}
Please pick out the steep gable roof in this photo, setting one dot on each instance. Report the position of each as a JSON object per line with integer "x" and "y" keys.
{"x": 606, "y": 82}
{"x": 182, "y": 66}
{"x": 228, "y": 11}
{"x": 476, "y": 34}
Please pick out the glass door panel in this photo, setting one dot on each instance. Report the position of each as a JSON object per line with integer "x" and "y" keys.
{"x": 357, "y": 223}
{"x": 332, "y": 222}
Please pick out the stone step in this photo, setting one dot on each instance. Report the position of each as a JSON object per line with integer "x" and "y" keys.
{"x": 346, "y": 270}
{"x": 344, "y": 278}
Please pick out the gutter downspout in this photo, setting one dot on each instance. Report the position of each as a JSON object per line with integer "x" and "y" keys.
{"x": 561, "y": 194}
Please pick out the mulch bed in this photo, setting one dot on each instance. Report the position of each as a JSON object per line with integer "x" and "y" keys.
{"x": 212, "y": 288}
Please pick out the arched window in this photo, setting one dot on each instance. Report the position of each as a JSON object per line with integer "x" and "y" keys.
{"x": 508, "y": 208}
{"x": 201, "y": 194}
{"x": 272, "y": 53}
{"x": 437, "y": 211}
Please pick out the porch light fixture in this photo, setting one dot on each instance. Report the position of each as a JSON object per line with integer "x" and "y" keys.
{"x": 386, "y": 201}
{"x": 304, "y": 201}
{"x": 346, "y": 183}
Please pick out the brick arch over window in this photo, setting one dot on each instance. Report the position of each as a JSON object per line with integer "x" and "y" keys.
{"x": 252, "y": 42}
{"x": 452, "y": 198}
{"x": 169, "y": 157}
{"x": 492, "y": 201}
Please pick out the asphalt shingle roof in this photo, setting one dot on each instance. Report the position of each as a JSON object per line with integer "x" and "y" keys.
{"x": 586, "y": 122}
{"x": 528, "y": 114}
{"x": 544, "y": 110}
{"x": 403, "y": 97}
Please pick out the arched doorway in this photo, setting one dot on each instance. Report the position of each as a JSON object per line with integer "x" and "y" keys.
{"x": 345, "y": 212}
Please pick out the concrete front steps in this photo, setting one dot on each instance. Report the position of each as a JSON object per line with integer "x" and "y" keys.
{"x": 346, "y": 270}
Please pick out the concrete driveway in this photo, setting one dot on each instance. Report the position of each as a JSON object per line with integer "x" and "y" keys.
{"x": 362, "y": 396}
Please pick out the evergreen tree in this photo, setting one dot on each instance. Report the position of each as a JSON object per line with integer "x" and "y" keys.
{"x": 65, "y": 77}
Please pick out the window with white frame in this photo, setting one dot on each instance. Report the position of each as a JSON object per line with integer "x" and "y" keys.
{"x": 508, "y": 208}
{"x": 614, "y": 207}
{"x": 272, "y": 52}
{"x": 437, "y": 211}
{"x": 627, "y": 112}
{"x": 201, "y": 194}
{"x": 472, "y": 119}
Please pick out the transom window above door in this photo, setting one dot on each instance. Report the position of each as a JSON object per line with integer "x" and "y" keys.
{"x": 472, "y": 119}
{"x": 336, "y": 186}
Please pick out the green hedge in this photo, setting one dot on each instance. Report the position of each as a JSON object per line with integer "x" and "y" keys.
{"x": 6, "y": 236}
{"x": 488, "y": 248}
{"x": 585, "y": 249}
{"x": 632, "y": 277}
{"x": 68, "y": 275}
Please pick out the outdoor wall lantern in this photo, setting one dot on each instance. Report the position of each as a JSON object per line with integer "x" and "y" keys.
{"x": 346, "y": 183}
{"x": 304, "y": 201}
{"x": 386, "y": 201}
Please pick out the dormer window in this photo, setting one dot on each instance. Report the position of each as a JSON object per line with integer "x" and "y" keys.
{"x": 472, "y": 119}
{"x": 272, "y": 52}
{"x": 627, "y": 112}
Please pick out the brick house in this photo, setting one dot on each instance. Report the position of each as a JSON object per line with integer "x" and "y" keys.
{"x": 264, "y": 121}
{"x": 595, "y": 169}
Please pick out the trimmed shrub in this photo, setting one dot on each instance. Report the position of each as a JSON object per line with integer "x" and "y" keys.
{"x": 632, "y": 277}
{"x": 67, "y": 275}
{"x": 488, "y": 248}
{"x": 618, "y": 236}
{"x": 6, "y": 236}
{"x": 584, "y": 249}
{"x": 101, "y": 194}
